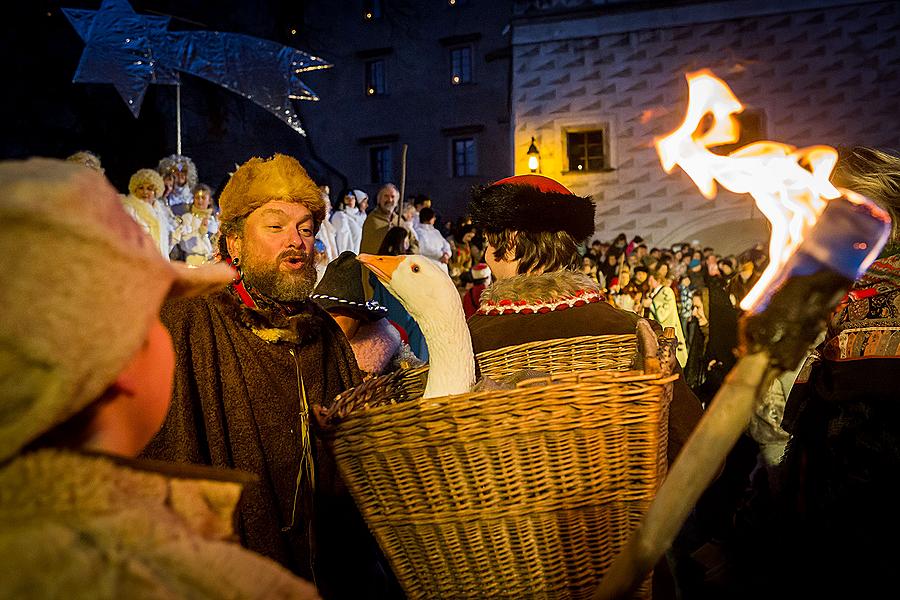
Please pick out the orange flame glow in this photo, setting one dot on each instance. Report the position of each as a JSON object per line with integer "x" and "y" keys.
{"x": 790, "y": 185}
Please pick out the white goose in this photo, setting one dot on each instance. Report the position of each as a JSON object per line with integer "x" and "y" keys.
{"x": 438, "y": 310}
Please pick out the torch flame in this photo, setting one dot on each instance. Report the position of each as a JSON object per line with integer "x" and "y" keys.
{"x": 790, "y": 185}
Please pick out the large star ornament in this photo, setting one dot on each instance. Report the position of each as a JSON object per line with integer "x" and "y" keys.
{"x": 121, "y": 48}
{"x": 131, "y": 51}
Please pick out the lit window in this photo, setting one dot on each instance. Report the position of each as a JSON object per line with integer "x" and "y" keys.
{"x": 381, "y": 169}
{"x": 465, "y": 158}
{"x": 375, "y": 85}
{"x": 371, "y": 9}
{"x": 586, "y": 151}
{"x": 461, "y": 65}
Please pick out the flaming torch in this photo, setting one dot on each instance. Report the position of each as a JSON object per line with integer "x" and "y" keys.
{"x": 822, "y": 239}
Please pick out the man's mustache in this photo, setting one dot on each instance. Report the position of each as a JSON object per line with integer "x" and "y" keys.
{"x": 302, "y": 255}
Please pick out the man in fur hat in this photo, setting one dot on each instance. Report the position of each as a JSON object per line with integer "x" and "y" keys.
{"x": 253, "y": 363}
{"x": 533, "y": 226}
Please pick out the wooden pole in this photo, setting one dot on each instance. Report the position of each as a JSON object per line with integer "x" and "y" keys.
{"x": 403, "y": 152}
{"x": 178, "y": 119}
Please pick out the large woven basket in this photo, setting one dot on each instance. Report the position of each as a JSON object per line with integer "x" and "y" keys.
{"x": 589, "y": 352}
{"x": 519, "y": 493}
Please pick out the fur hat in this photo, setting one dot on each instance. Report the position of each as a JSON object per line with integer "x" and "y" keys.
{"x": 532, "y": 203}
{"x": 341, "y": 288}
{"x": 259, "y": 181}
{"x": 81, "y": 283}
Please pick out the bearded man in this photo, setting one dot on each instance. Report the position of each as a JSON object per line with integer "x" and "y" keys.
{"x": 253, "y": 363}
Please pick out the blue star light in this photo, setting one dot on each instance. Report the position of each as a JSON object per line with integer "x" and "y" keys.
{"x": 121, "y": 48}
{"x": 132, "y": 51}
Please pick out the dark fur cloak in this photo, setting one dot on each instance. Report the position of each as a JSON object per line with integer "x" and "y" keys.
{"x": 236, "y": 404}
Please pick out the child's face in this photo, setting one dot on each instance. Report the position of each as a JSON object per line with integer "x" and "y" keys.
{"x": 201, "y": 199}
{"x": 148, "y": 379}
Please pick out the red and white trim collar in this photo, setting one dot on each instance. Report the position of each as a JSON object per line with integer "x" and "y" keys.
{"x": 525, "y": 307}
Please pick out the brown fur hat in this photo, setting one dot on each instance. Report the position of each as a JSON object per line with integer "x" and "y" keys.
{"x": 259, "y": 181}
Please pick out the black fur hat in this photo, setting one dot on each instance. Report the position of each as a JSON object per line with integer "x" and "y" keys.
{"x": 531, "y": 203}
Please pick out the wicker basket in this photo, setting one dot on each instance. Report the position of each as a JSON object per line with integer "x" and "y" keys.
{"x": 519, "y": 493}
{"x": 589, "y": 352}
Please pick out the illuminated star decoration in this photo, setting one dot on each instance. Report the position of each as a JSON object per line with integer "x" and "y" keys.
{"x": 119, "y": 49}
{"x": 132, "y": 51}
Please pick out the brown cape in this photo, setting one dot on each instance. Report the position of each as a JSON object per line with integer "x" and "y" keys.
{"x": 236, "y": 404}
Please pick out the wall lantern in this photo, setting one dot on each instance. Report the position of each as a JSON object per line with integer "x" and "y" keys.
{"x": 534, "y": 157}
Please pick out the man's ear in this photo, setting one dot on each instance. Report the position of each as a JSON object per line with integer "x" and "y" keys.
{"x": 234, "y": 245}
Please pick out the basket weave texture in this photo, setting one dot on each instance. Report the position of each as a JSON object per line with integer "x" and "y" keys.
{"x": 589, "y": 352}
{"x": 515, "y": 493}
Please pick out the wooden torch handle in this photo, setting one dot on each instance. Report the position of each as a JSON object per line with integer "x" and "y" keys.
{"x": 696, "y": 465}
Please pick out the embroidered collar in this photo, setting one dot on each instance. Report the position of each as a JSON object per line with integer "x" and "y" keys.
{"x": 526, "y": 307}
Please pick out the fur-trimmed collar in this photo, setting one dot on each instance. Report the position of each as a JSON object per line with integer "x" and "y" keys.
{"x": 51, "y": 482}
{"x": 273, "y": 325}
{"x": 539, "y": 293}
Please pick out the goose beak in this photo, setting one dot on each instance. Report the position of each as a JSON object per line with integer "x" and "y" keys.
{"x": 382, "y": 266}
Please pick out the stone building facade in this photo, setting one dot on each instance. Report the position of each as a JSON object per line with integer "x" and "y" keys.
{"x": 824, "y": 72}
{"x": 433, "y": 75}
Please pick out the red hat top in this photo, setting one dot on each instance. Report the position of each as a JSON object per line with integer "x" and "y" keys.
{"x": 531, "y": 203}
{"x": 544, "y": 184}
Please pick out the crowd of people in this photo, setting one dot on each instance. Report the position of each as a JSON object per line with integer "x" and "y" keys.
{"x": 171, "y": 205}
{"x": 690, "y": 288}
{"x": 194, "y": 332}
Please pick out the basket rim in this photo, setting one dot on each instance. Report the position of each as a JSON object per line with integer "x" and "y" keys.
{"x": 489, "y": 398}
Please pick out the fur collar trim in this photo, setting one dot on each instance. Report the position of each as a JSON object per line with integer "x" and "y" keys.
{"x": 274, "y": 326}
{"x": 540, "y": 293}
{"x": 57, "y": 482}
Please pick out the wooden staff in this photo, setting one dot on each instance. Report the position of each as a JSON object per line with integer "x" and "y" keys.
{"x": 402, "y": 182}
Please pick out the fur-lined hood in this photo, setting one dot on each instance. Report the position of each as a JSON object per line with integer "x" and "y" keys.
{"x": 545, "y": 287}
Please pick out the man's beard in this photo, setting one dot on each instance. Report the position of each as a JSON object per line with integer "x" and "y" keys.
{"x": 282, "y": 286}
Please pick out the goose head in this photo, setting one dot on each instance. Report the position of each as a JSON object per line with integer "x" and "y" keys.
{"x": 425, "y": 290}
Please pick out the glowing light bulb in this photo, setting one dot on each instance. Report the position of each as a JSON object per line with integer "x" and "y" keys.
{"x": 456, "y": 79}
{"x": 533, "y": 163}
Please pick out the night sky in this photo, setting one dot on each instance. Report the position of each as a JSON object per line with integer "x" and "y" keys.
{"x": 44, "y": 113}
